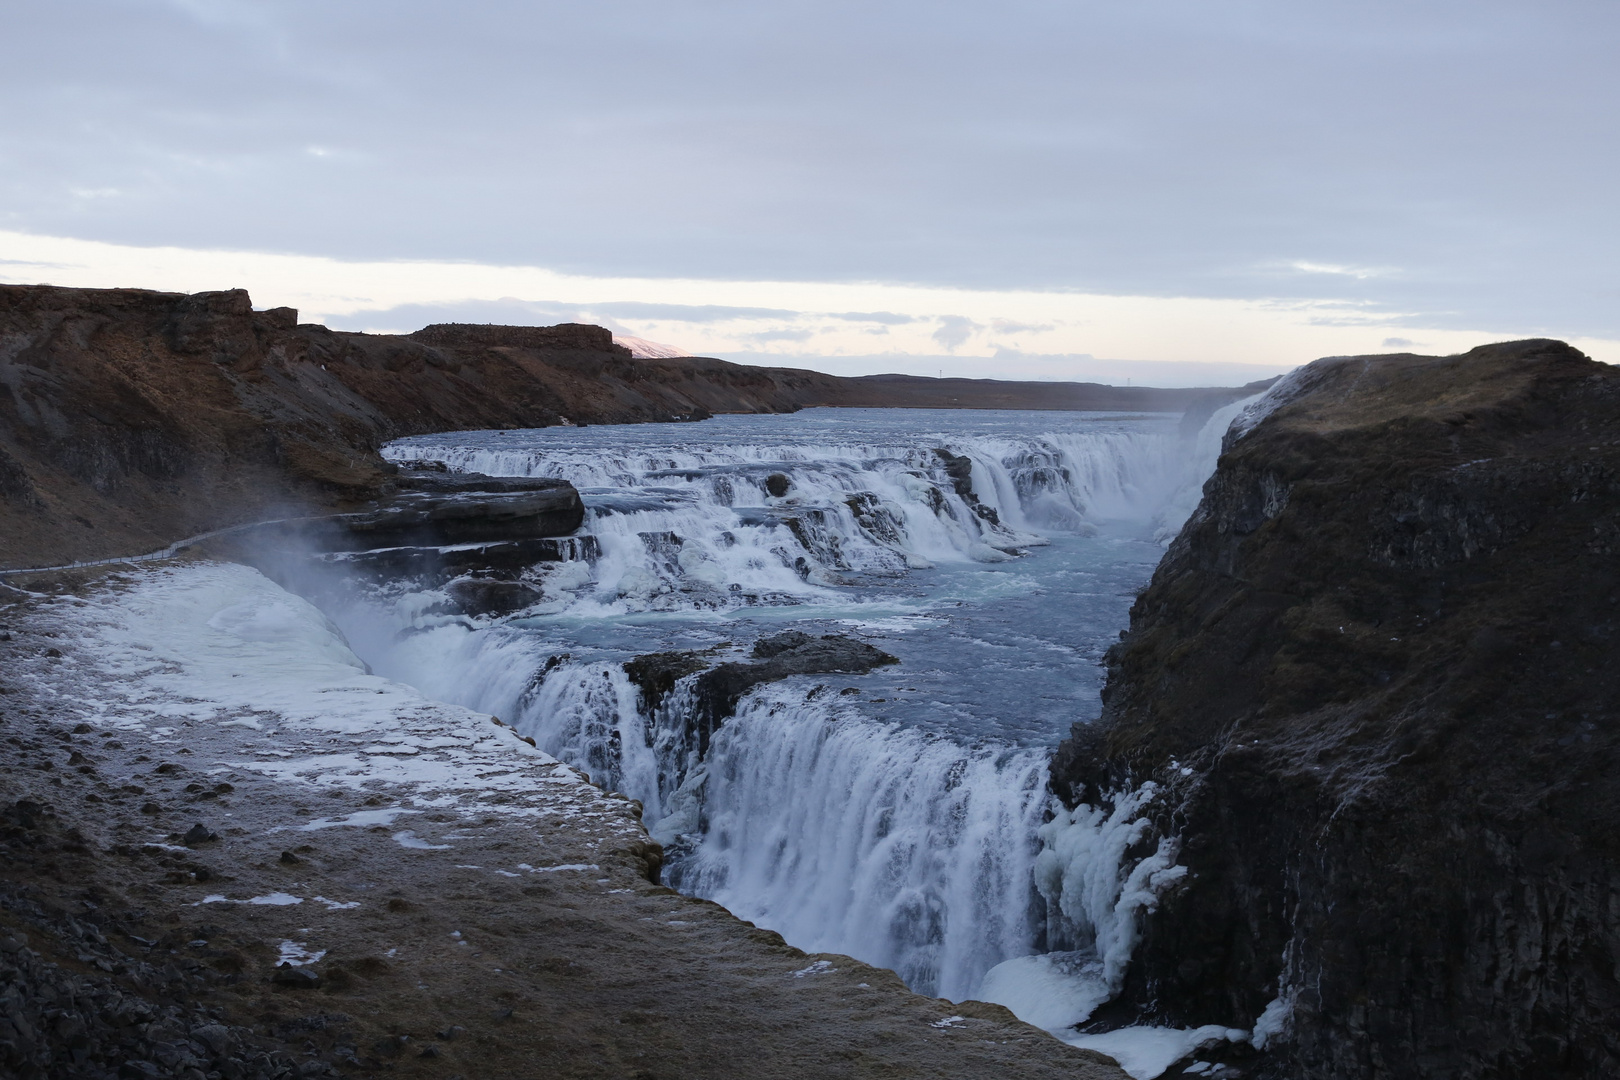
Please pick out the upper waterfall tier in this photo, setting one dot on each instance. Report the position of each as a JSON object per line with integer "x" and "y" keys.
{"x": 761, "y": 510}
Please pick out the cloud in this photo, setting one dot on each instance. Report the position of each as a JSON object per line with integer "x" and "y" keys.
{"x": 510, "y": 310}
{"x": 1008, "y": 326}
{"x": 504, "y": 311}
{"x": 692, "y": 313}
{"x": 781, "y": 335}
{"x": 1398, "y": 342}
{"x": 1360, "y": 273}
{"x": 887, "y": 318}
{"x": 954, "y": 330}
{"x": 893, "y": 143}
{"x": 507, "y": 311}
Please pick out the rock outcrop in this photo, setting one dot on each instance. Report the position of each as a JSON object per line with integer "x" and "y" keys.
{"x": 1374, "y": 680}
{"x": 720, "y": 687}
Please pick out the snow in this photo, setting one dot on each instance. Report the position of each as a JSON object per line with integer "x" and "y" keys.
{"x": 360, "y": 818}
{"x": 276, "y": 899}
{"x": 1274, "y": 1021}
{"x": 222, "y": 646}
{"x": 1084, "y": 872}
{"x": 1054, "y": 991}
{"x": 1146, "y": 1052}
{"x": 337, "y": 905}
{"x": 297, "y": 953}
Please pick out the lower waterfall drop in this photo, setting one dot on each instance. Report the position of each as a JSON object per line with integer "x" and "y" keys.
{"x": 900, "y": 816}
{"x": 903, "y": 848}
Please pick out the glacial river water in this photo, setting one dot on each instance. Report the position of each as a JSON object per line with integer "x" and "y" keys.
{"x": 899, "y": 816}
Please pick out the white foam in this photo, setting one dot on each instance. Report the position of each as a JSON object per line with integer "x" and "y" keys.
{"x": 878, "y": 502}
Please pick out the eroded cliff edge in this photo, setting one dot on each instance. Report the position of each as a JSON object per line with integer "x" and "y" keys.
{"x": 131, "y": 419}
{"x": 1374, "y": 678}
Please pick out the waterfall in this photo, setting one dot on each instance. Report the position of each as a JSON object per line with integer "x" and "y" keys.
{"x": 906, "y": 849}
{"x": 731, "y": 524}
{"x": 891, "y": 833}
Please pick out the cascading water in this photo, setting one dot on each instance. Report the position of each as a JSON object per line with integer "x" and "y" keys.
{"x": 911, "y": 851}
{"x": 898, "y": 815}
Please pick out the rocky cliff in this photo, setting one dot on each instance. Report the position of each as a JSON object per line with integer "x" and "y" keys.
{"x": 130, "y": 419}
{"x": 1374, "y": 678}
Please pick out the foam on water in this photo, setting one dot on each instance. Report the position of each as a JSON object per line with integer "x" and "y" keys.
{"x": 901, "y": 816}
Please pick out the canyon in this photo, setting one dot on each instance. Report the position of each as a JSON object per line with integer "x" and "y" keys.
{"x": 1348, "y": 809}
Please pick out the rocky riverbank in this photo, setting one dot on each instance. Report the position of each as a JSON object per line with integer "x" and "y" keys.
{"x": 230, "y": 851}
{"x": 1373, "y": 682}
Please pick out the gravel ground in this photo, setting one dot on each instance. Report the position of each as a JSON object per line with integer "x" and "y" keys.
{"x": 230, "y": 852}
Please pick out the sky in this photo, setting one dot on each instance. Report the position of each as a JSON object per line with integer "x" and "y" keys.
{"x": 1169, "y": 191}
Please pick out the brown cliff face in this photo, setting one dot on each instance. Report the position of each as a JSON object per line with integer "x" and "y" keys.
{"x": 1384, "y": 645}
{"x": 130, "y": 419}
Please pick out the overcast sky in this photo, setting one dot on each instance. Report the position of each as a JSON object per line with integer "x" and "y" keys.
{"x": 1363, "y": 172}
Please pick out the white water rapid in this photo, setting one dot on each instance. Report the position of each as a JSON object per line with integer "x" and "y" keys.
{"x": 900, "y": 816}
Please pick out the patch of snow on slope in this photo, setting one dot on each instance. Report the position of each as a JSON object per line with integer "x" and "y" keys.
{"x": 218, "y": 644}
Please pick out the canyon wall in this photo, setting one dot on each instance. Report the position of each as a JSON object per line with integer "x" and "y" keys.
{"x": 1374, "y": 680}
{"x": 130, "y": 419}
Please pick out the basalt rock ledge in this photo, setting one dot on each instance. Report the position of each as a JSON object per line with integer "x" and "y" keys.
{"x": 1374, "y": 681}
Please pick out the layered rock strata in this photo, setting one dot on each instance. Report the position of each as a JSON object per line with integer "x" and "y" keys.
{"x": 1374, "y": 681}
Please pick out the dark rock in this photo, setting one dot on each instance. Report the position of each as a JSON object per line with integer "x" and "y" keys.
{"x": 435, "y": 564}
{"x": 456, "y": 509}
{"x": 216, "y": 1037}
{"x": 289, "y": 858}
{"x": 299, "y": 978}
{"x": 1398, "y": 804}
{"x": 791, "y": 653}
{"x": 777, "y": 484}
{"x": 198, "y": 834}
{"x": 490, "y": 596}
{"x": 656, "y": 674}
{"x": 959, "y": 467}
{"x": 767, "y": 647}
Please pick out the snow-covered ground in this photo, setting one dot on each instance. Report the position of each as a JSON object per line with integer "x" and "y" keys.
{"x": 218, "y": 660}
